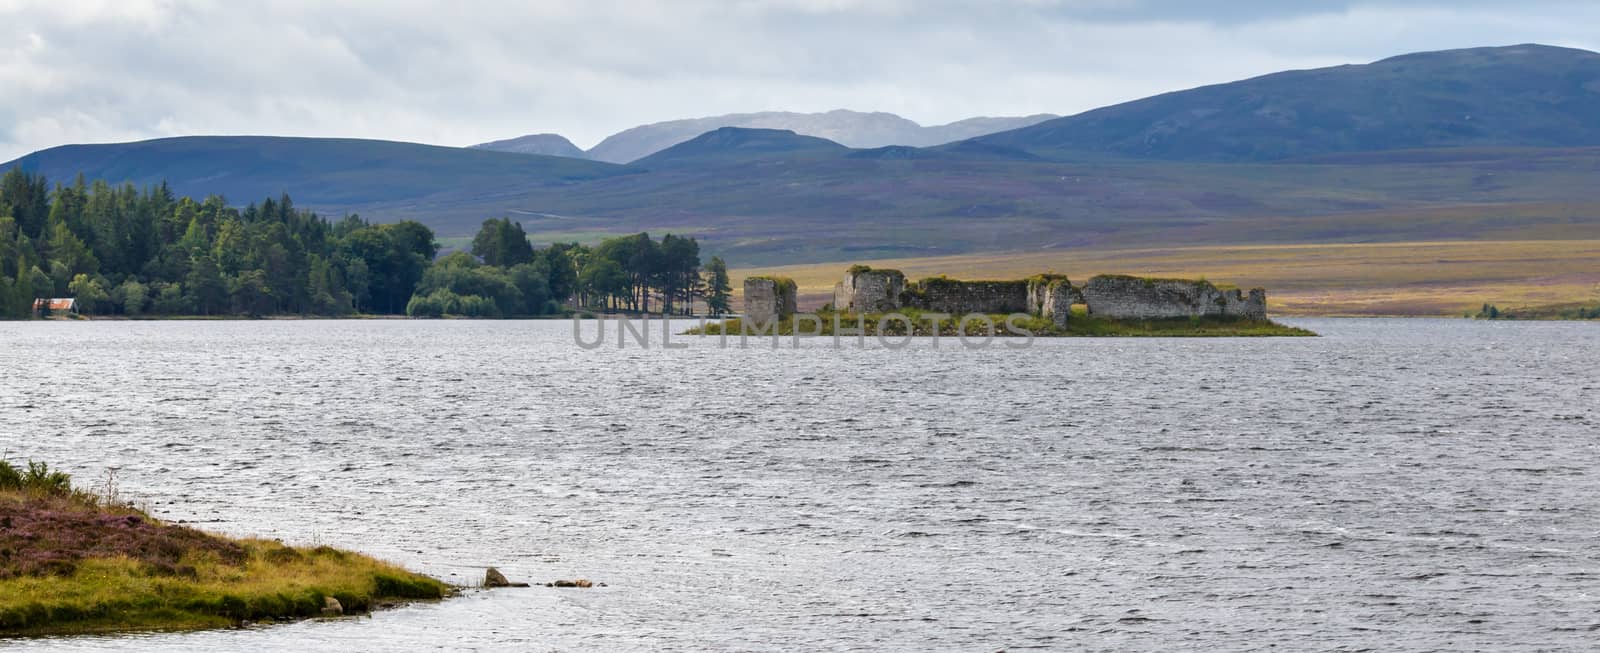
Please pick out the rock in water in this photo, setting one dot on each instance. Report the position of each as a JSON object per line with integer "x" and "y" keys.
{"x": 493, "y": 578}
{"x": 332, "y": 608}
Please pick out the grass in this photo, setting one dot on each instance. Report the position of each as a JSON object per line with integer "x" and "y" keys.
{"x": 851, "y": 210}
{"x": 1402, "y": 278}
{"x": 73, "y": 562}
{"x": 1556, "y": 312}
{"x": 1080, "y": 325}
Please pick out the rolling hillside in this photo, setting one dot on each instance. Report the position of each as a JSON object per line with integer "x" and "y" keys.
{"x": 850, "y": 128}
{"x": 1223, "y": 175}
{"x": 546, "y": 144}
{"x": 333, "y": 174}
{"x": 1522, "y": 96}
{"x": 731, "y": 146}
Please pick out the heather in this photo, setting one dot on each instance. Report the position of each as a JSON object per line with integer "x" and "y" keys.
{"x": 73, "y": 561}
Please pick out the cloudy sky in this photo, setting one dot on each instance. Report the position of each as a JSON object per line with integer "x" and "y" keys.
{"x": 78, "y": 71}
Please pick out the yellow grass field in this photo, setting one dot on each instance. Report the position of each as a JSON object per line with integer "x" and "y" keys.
{"x": 1401, "y": 278}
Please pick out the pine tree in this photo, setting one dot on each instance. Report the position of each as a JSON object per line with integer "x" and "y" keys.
{"x": 718, "y": 286}
{"x": 205, "y": 288}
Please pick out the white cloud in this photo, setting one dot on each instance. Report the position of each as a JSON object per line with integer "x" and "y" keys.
{"x": 462, "y": 73}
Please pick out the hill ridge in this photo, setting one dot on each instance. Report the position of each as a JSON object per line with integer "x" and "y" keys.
{"x": 1521, "y": 95}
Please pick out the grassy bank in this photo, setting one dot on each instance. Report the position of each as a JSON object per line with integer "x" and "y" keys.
{"x": 1447, "y": 278}
{"x": 75, "y": 562}
{"x": 1081, "y": 325}
{"x": 1557, "y": 312}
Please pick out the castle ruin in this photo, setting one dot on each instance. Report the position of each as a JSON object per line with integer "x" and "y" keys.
{"x": 1052, "y": 296}
{"x": 767, "y": 300}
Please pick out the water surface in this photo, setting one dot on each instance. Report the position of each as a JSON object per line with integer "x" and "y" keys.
{"x": 1397, "y": 484}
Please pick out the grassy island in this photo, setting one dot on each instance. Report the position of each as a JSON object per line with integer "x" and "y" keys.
{"x": 1079, "y": 325}
{"x": 74, "y": 562}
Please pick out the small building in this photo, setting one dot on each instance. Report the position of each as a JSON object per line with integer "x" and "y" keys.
{"x": 67, "y": 305}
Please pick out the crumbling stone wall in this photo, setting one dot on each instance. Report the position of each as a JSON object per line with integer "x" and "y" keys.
{"x": 1052, "y": 296}
{"x": 1253, "y": 305}
{"x": 1125, "y": 297}
{"x": 769, "y": 299}
{"x": 865, "y": 290}
{"x": 941, "y": 295}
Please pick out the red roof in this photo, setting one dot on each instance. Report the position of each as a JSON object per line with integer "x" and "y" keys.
{"x": 68, "y": 304}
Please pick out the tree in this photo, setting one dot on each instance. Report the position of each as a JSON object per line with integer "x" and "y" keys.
{"x": 250, "y": 293}
{"x": 90, "y": 294}
{"x": 532, "y": 281}
{"x": 43, "y": 286}
{"x": 415, "y": 238}
{"x": 26, "y": 198}
{"x": 502, "y": 243}
{"x": 169, "y": 299}
{"x": 561, "y": 269}
{"x": 16, "y": 293}
{"x": 718, "y": 287}
{"x": 678, "y": 267}
{"x": 604, "y": 282}
{"x": 393, "y": 264}
{"x": 459, "y": 276}
{"x": 66, "y": 248}
{"x": 205, "y": 289}
{"x": 133, "y": 296}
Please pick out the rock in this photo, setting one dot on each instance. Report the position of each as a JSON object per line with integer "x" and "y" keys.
{"x": 332, "y": 608}
{"x": 572, "y": 583}
{"x": 493, "y": 578}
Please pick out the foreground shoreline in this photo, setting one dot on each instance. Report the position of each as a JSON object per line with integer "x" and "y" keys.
{"x": 74, "y": 562}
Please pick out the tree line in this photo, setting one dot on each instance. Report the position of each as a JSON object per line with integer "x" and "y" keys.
{"x": 120, "y": 250}
{"x": 503, "y": 274}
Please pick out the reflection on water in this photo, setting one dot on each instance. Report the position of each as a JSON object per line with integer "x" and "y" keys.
{"x": 1416, "y": 484}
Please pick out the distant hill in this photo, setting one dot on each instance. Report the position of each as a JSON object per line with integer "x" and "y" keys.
{"x": 1484, "y": 143}
{"x": 546, "y": 144}
{"x": 1524, "y": 95}
{"x": 850, "y": 128}
{"x": 735, "y": 145}
{"x": 328, "y": 173}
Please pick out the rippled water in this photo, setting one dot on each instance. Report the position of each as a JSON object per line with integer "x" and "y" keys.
{"x": 1397, "y": 484}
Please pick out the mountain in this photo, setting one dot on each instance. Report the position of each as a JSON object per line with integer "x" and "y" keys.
{"x": 735, "y": 145}
{"x": 974, "y": 127}
{"x": 850, "y": 128}
{"x": 1523, "y": 95}
{"x": 546, "y": 144}
{"x": 1298, "y": 157}
{"x": 326, "y": 173}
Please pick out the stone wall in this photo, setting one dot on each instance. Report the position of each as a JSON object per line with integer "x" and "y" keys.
{"x": 1253, "y": 305}
{"x": 768, "y": 299}
{"x": 865, "y": 290}
{"x": 941, "y": 295}
{"x": 1052, "y": 296}
{"x": 1124, "y": 297}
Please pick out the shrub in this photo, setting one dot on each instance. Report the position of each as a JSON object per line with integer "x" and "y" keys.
{"x": 37, "y": 478}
